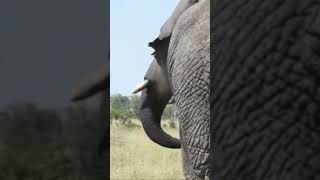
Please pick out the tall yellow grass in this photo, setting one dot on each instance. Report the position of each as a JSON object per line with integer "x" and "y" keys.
{"x": 135, "y": 156}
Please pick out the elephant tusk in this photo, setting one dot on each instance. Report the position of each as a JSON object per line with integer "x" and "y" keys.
{"x": 141, "y": 86}
{"x": 171, "y": 101}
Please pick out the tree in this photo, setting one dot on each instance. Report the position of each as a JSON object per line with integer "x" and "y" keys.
{"x": 119, "y": 102}
{"x": 135, "y": 103}
{"x": 168, "y": 112}
{"x": 120, "y": 108}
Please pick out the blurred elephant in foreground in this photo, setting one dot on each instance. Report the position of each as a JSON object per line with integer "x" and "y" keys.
{"x": 265, "y": 109}
{"x": 99, "y": 83}
{"x": 181, "y": 68}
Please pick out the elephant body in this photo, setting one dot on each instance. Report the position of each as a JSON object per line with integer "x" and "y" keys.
{"x": 265, "y": 106}
{"x": 189, "y": 75}
{"x": 182, "y": 51}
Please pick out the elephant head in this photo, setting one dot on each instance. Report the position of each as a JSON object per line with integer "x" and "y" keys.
{"x": 156, "y": 96}
{"x": 184, "y": 58}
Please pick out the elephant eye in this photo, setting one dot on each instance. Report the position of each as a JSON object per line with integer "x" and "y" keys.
{"x": 159, "y": 56}
{"x": 160, "y": 49}
{"x": 156, "y": 56}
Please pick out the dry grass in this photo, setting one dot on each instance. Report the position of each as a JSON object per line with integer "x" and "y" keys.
{"x": 135, "y": 156}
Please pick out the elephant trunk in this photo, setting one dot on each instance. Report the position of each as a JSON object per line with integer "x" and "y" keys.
{"x": 150, "y": 115}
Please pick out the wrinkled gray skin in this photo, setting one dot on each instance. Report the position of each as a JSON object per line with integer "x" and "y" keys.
{"x": 183, "y": 52}
{"x": 265, "y": 107}
{"x": 98, "y": 83}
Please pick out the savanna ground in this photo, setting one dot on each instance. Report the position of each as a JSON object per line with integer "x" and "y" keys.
{"x": 135, "y": 156}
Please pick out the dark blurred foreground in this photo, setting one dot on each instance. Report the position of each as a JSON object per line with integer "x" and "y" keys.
{"x": 45, "y": 144}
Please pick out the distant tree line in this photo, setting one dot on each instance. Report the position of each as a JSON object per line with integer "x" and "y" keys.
{"x": 125, "y": 108}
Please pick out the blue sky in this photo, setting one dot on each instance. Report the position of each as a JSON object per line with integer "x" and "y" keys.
{"x": 132, "y": 25}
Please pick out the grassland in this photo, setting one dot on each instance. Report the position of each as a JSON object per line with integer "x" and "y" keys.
{"x": 134, "y": 156}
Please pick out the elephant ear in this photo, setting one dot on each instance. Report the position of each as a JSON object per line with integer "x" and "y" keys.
{"x": 168, "y": 26}
{"x": 160, "y": 49}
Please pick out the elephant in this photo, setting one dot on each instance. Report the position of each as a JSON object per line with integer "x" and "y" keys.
{"x": 182, "y": 53}
{"x": 266, "y": 80}
{"x": 99, "y": 83}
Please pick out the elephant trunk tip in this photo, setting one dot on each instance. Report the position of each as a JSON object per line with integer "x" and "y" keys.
{"x": 160, "y": 137}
